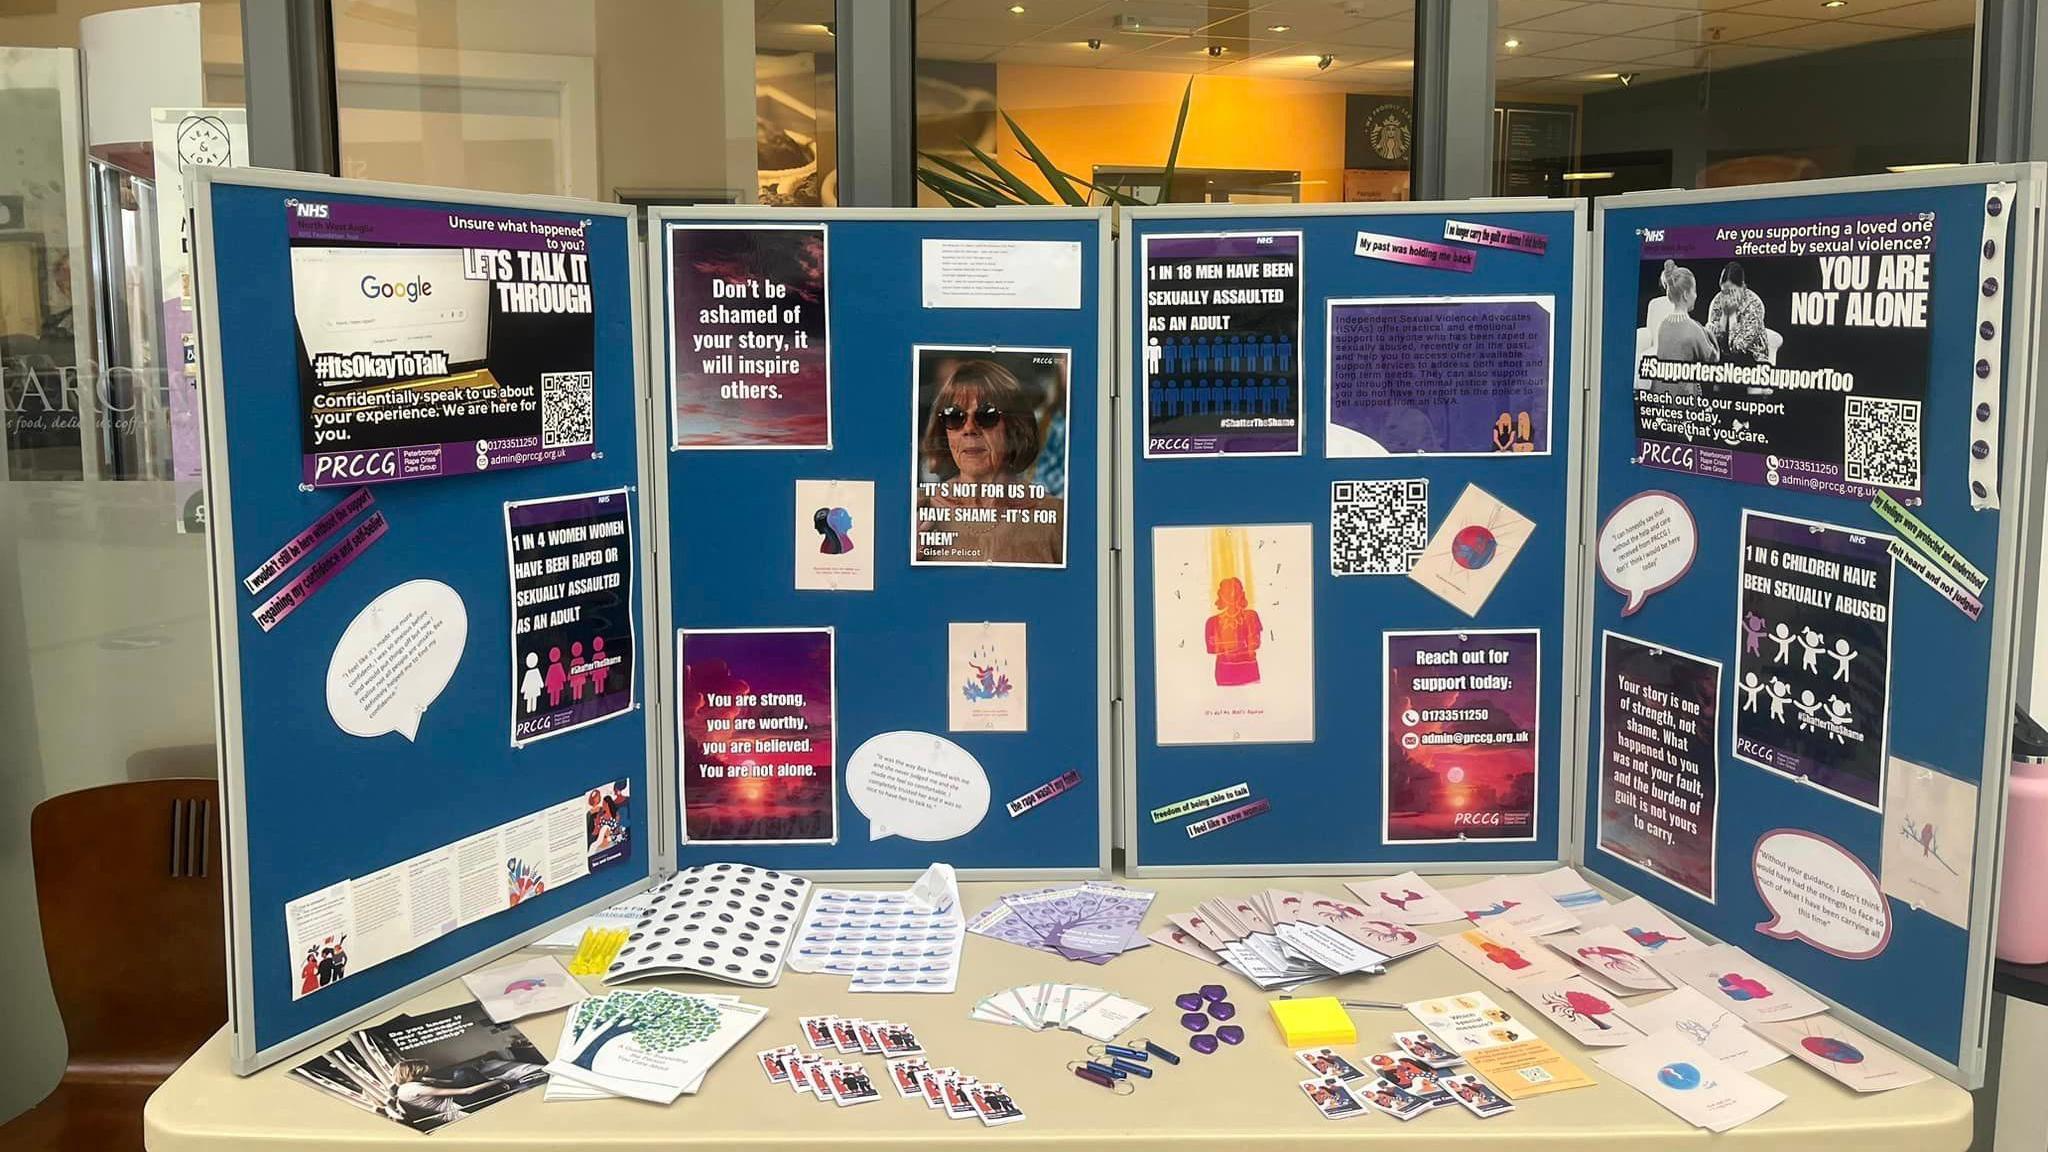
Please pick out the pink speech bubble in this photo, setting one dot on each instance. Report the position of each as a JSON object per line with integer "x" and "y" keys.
{"x": 1819, "y": 892}
{"x": 1646, "y": 545}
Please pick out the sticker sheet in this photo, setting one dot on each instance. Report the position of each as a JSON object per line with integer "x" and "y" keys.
{"x": 1461, "y": 716}
{"x": 1813, "y": 654}
{"x": 1659, "y": 773}
{"x": 1233, "y": 634}
{"x": 730, "y": 922}
{"x": 757, "y": 723}
{"x": 989, "y": 456}
{"x": 1221, "y": 314}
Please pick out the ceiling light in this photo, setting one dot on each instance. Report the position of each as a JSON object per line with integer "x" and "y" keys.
{"x": 1626, "y": 78}
{"x": 829, "y": 29}
{"x": 1834, "y": 3}
{"x": 1016, "y": 9}
{"x": 1587, "y": 176}
{"x": 1511, "y": 45}
{"x": 1279, "y": 27}
{"x": 1323, "y": 62}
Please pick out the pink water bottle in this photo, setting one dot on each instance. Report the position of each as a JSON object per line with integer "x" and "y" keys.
{"x": 2023, "y": 885}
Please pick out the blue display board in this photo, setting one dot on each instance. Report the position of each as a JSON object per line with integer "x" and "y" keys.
{"x": 1873, "y": 335}
{"x": 1258, "y": 720}
{"x": 412, "y": 844}
{"x": 802, "y": 360}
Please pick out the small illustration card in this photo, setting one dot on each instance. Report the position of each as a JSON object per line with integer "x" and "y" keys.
{"x": 1477, "y": 1096}
{"x": 1471, "y": 550}
{"x": 1527, "y": 1068}
{"x": 1327, "y": 1062}
{"x": 1515, "y": 901}
{"x": 1714, "y": 1027}
{"x": 835, "y": 541}
{"x": 817, "y": 1032}
{"x": 1406, "y": 899}
{"x": 1672, "y": 1070}
{"x": 1611, "y": 957}
{"x": 1930, "y": 838}
{"x": 851, "y": 1084}
{"x": 1844, "y": 1053}
{"x": 1404, "y": 1071}
{"x": 992, "y": 1102}
{"x": 1506, "y": 956}
{"x": 1593, "y": 1017}
{"x": 523, "y": 988}
{"x": 1393, "y": 1099}
{"x": 775, "y": 1062}
{"x": 1655, "y": 933}
{"x": 1424, "y": 1047}
{"x": 1332, "y": 1097}
{"x": 1728, "y": 975}
{"x": 904, "y": 1073}
{"x": 987, "y": 685}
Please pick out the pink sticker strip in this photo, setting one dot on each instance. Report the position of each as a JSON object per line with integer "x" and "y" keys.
{"x": 1488, "y": 236}
{"x": 1226, "y": 819}
{"x": 1043, "y": 792}
{"x": 1422, "y": 253}
{"x": 302, "y": 545}
{"x": 301, "y": 588}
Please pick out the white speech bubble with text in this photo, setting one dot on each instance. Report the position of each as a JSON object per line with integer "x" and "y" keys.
{"x": 1646, "y": 545}
{"x": 1819, "y": 892}
{"x": 916, "y": 785}
{"x": 395, "y": 658}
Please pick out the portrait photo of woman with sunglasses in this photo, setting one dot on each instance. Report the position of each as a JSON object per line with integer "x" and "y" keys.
{"x": 991, "y": 456}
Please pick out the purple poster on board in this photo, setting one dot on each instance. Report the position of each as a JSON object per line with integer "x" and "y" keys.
{"x": 1461, "y": 736}
{"x": 437, "y": 342}
{"x": 1440, "y": 376}
{"x": 1222, "y": 319}
{"x": 1791, "y": 353}
{"x": 572, "y": 612}
{"x": 1659, "y": 773}
{"x": 749, "y": 354}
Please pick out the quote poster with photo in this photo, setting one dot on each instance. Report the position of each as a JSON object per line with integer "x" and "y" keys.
{"x": 1659, "y": 774}
{"x": 1813, "y": 654}
{"x": 1461, "y": 715}
{"x": 1440, "y": 376}
{"x": 1233, "y": 636}
{"x": 989, "y": 456}
{"x": 572, "y": 612}
{"x": 1792, "y": 353}
{"x": 748, "y": 337}
{"x": 757, "y": 724}
{"x": 1221, "y": 313}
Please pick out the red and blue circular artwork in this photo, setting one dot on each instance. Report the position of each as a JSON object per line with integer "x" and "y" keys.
{"x": 1682, "y": 1077}
{"x": 1473, "y": 547}
{"x": 1833, "y": 1050}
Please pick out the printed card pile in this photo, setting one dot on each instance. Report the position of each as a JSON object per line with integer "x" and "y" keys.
{"x": 1093, "y": 922}
{"x": 1717, "y": 1030}
{"x": 1278, "y": 939}
{"x": 1405, "y": 899}
{"x": 1732, "y": 978}
{"x": 1093, "y": 1012}
{"x": 654, "y": 1045}
{"x": 1417, "y": 1076}
{"x": 429, "y": 1070}
{"x": 906, "y": 941}
{"x": 729, "y": 922}
{"x": 1849, "y": 1056}
{"x": 845, "y": 1082}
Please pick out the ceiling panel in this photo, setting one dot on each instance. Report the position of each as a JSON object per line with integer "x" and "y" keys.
{"x": 1820, "y": 36}
{"x": 1530, "y": 41}
{"x": 1721, "y": 57}
{"x": 1035, "y": 11}
{"x": 1356, "y": 9}
{"x": 1814, "y": 10}
{"x": 1929, "y": 16}
{"x": 1604, "y": 19}
{"x": 932, "y": 50}
{"x": 1512, "y": 12}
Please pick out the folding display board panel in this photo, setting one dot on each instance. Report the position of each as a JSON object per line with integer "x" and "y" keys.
{"x": 765, "y": 482}
{"x": 350, "y": 828}
{"x": 1245, "y": 731}
{"x": 1857, "y": 804}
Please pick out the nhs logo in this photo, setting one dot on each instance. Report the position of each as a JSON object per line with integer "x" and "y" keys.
{"x": 306, "y": 211}
{"x": 1651, "y": 235}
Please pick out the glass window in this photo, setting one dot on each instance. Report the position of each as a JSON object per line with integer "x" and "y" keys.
{"x": 1618, "y": 96}
{"x": 1287, "y": 100}
{"x": 103, "y": 604}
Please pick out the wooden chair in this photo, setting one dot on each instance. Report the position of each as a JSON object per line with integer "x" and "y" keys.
{"x": 128, "y": 884}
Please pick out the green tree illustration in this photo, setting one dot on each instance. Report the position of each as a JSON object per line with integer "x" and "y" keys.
{"x": 658, "y": 1022}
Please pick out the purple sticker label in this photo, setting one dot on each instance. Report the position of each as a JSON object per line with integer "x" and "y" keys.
{"x": 1489, "y": 236}
{"x": 326, "y": 568}
{"x": 1043, "y": 792}
{"x": 1421, "y": 253}
{"x": 1226, "y": 819}
{"x": 302, "y": 545}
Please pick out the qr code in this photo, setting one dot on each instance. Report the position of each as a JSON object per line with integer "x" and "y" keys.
{"x": 1377, "y": 527}
{"x": 1881, "y": 442}
{"x": 564, "y": 409}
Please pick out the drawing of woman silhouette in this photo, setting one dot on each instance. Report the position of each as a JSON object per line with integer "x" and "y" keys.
{"x": 1232, "y": 636}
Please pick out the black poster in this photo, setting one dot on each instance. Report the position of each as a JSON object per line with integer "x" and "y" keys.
{"x": 572, "y": 612}
{"x": 1222, "y": 319}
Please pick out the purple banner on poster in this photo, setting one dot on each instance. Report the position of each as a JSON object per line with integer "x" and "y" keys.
{"x": 749, "y": 343}
{"x": 1813, "y": 654}
{"x": 573, "y": 647}
{"x": 1221, "y": 313}
{"x": 1659, "y": 773}
{"x": 1793, "y": 353}
{"x": 1457, "y": 376}
{"x": 438, "y": 342}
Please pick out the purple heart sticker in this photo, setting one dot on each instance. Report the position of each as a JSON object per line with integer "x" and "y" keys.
{"x": 1230, "y": 1034}
{"x": 1189, "y": 1001}
{"x": 1222, "y": 1010}
{"x": 1203, "y": 1043}
{"x": 1194, "y": 1022}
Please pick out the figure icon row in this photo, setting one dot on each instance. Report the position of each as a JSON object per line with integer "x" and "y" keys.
{"x": 1220, "y": 397}
{"x": 1831, "y": 716}
{"x": 1813, "y": 645}
{"x": 1200, "y": 355}
{"x": 571, "y": 676}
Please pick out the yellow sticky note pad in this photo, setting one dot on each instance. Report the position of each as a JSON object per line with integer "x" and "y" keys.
{"x": 1317, "y": 1020}
{"x": 1526, "y": 1068}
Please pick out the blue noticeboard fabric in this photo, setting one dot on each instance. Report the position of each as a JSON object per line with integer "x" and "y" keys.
{"x": 1943, "y": 665}
{"x": 730, "y": 538}
{"x": 1326, "y": 795}
{"x": 312, "y": 805}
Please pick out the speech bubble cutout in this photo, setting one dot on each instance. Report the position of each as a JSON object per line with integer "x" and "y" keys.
{"x": 1817, "y": 891}
{"x": 1646, "y": 545}
{"x": 395, "y": 658}
{"x": 916, "y": 785}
